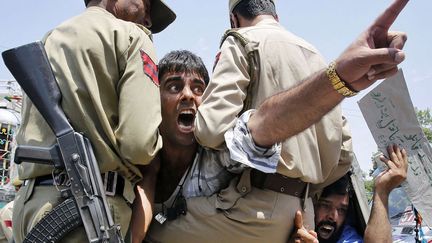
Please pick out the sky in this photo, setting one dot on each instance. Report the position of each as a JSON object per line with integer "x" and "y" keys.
{"x": 329, "y": 25}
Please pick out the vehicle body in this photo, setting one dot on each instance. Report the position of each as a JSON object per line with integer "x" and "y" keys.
{"x": 10, "y": 118}
{"x": 403, "y": 220}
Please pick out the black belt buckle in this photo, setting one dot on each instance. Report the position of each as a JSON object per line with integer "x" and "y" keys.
{"x": 110, "y": 182}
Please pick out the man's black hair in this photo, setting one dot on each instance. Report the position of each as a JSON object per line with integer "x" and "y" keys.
{"x": 339, "y": 187}
{"x": 249, "y": 9}
{"x": 183, "y": 61}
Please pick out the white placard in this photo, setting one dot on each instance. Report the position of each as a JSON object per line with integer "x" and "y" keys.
{"x": 390, "y": 115}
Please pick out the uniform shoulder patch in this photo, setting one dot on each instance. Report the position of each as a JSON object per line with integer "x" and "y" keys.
{"x": 150, "y": 68}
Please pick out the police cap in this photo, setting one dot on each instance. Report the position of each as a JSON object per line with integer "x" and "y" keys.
{"x": 161, "y": 16}
{"x": 233, "y": 4}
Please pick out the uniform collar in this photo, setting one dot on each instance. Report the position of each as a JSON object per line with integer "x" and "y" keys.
{"x": 147, "y": 31}
{"x": 99, "y": 9}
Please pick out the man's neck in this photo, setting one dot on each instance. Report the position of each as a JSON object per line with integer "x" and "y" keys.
{"x": 176, "y": 157}
{"x": 175, "y": 160}
{"x": 247, "y": 23}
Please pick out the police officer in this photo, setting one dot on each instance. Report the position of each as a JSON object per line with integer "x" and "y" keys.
{"x": 104, "y": 62}
{"x": 257, "y": 61}
{"x": 316, "y": 142}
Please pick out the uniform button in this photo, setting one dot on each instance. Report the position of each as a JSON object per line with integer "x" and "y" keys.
{"x": 282, "y": 189}
{"x": 285, "y": 177}
{"x": 243, "y": 189}
{"x": 296, "y": 194}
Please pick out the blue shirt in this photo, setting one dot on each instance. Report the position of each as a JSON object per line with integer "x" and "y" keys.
{"x": 350, "y": 235}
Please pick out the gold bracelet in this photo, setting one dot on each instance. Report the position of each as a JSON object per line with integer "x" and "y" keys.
{"x": 337, "y": 83}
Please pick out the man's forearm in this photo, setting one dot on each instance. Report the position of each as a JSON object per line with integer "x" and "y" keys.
{"x": 290, "y": 112}
{"x": 378, "y": 228}
{"x": 374, "y": 55}
{"x": 142, "y": 212}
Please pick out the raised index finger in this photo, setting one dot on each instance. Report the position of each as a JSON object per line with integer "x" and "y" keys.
{"x": 298, "y": 220}
{"x": 387, "y": 18}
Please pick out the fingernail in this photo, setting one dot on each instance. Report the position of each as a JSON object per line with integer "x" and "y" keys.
{"x": 371, "y": 77}
{"x": 371, "y": 72}
{"x": 399, "y": 57}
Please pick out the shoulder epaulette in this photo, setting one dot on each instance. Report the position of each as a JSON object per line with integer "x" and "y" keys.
{"x": 251, "y": 49}
{"x": 234, "y": 33}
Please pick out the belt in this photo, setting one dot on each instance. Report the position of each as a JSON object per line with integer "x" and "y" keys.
{"x": 46, "y": 180}
{"x": 278, "y": 183}
{"x": 112, "y": 181}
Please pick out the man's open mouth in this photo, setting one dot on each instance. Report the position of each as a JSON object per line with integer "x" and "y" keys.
{"x": 325, "y": 231}
{"x": 185, "y": 120}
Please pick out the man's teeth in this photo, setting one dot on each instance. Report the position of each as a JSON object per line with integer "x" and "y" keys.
{"x": 328, "y": 227}
{"x": 186, "y": 112}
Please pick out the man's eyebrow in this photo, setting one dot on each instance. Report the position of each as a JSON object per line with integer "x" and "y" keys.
{"x": 199, "y": 81}
{"x": 173, "y": 78}
{"x": 324, "y": 200}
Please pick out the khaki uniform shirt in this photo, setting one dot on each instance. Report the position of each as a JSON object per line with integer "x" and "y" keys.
{"x": 98, "y": 61}
{"x": 321, "y": 153}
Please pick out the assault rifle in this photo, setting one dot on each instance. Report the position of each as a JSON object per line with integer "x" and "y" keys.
{"x": 85, "y": 203}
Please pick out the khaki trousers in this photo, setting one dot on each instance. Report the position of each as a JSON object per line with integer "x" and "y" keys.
{"x": 239, "y": 213}
{"x": 33, "y": 202}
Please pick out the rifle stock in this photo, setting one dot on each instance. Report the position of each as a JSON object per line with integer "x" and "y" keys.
{"x": 30, "y": 66}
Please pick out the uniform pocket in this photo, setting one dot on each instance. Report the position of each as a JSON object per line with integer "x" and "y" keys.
{"x": 18, "y": 211}
{"x": 32, "y": 204}
{"x": 121, "y": 212}
{"x": 256, "y": 206}
{"x": 243, "y": 203}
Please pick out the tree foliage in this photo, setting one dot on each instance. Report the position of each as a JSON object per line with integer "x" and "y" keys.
{"x": 369, "y": 187}
{"x": 425, "y": 119}
{"x": 374, "y": 158}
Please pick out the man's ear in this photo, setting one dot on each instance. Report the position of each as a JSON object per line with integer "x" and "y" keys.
{"x": 234, "y": 21}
